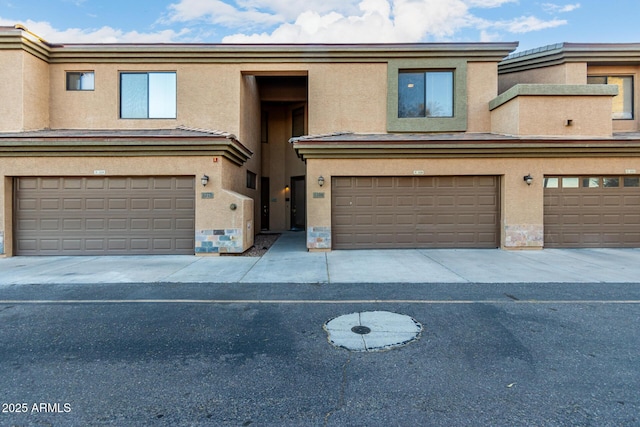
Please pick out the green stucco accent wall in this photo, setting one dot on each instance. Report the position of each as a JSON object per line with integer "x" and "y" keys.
{"x": 457, "y": 123}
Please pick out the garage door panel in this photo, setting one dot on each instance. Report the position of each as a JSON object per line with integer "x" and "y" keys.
{"x": 117, "y": 183}
{"x": 140, "y": 204}
{"x": 49, "y": 224}
{"x": 115, "y": 244}
{"x": 94, "y": 244}
{"x": 364, "y": 219}
{"x": 162, "y": 203}
{"x": 95, "y": 204}
{"x": 409, "y": 212}
{"x": 72, "y": 244}
{"x": 140, "y": 224}
{"x": 28, "y": 224}
{"x": 72, "y": 204}
{"x": 28, "y": 204}
{"x": 48, "y": 244}
{"x": 50, "y": 184}
{"x": 118, "y": 204}
{"x": 380, "y": 201}
{"x": 106, "y": 215}
{"x": 342, "y": 201}
{"x": 363, "y": 201}
{"x": 96, "y": 224}
{"x": 162, "y": 244}
{"x": 366, "y": 183}
{"x": 405, "y": 201}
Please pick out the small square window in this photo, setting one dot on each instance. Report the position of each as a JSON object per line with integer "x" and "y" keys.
{"x": 610, "y": 182}
{"x": 551, "y": 183}
{"x": 251, "y": 180}
{"x": 632, "y": 182}
{"x": 591, "y": 182}
{"x": 80, "y": 80}
{"x": 570, "y": 182}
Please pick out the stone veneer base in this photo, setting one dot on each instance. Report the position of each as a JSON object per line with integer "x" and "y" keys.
{"x": 219, "y": 241}
{"x": 319, "y": 237}
{"x": 524, "y": 236}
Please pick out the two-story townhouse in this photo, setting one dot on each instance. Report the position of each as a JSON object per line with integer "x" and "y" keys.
{"x": 194, "y": 148}
{"x": 183, "y": 148}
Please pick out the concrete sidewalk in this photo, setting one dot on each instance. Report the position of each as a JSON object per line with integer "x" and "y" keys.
{"x": 289, "y": 262}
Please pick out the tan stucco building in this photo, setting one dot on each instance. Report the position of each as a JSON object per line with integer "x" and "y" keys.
{"x": 192, "y": 148}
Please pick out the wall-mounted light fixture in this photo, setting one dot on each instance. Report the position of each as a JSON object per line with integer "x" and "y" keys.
{"x": 204, "y": 180}
{"x": 321, "y": 180}
{"x": 528, "y": 179}
{"x": 286, "y": 188}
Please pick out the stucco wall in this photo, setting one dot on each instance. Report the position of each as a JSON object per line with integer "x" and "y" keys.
{"x": 482, "y": 87}
{"x": 207, "y": 97}
{"x": 36, "y": 93}
{"x": 553, "y": 110}
{"x": 12, "y": 89}
{"x": 347, "y": 97}
{"x": 550, "y": 116}
{"x": 569, "y": 73}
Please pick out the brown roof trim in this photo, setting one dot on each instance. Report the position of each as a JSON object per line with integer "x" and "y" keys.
{"x": 21, "y": 38}
{"x": 167, "y": 142}
{"x": 350, "y": 146}
{"x": 560, "y": 53}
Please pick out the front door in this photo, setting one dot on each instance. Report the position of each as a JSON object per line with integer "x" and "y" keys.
{"x": 264, "y": 203}
{"x": 298, "y": 203}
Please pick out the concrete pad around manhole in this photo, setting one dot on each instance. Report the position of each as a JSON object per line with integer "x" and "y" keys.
{"x": 372, "y": 331}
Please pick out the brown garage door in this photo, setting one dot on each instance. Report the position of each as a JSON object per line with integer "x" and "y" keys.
{"x": 415, "y": 212}
{"x": 591, "y": 211}
{"x": 104, "y": 216}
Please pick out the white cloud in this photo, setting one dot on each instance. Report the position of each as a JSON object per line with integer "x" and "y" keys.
{"x": 315, "y": 21}
{"x": 393, "y": 21}
{"x": 555, "y": 8}
{"x": 527, "y": 24}
{"x": 376, "y": 21}
{"x": 488, "y": 3}
{"x": 95, "y": 35}
{"x": 220, "y": 12}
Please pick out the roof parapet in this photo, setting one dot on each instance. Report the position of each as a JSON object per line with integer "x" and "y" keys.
{"x": 560, "y": 53}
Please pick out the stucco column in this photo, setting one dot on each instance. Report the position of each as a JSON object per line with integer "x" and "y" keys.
{"x": 522, "y": 209}
{"x": 318, "y": 208}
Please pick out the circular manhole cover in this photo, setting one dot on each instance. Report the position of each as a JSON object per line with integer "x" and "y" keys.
{"x": 372, "y": 330}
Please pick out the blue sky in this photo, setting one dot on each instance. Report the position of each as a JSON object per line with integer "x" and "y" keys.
{"x": 532, "y": 23}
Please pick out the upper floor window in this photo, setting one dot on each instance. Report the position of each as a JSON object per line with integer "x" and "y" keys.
{"x": 425, "y": 94}
{"x": 148, "y": 95}
{"x": 623, "y": 101}
{"x": 84, "y": 80}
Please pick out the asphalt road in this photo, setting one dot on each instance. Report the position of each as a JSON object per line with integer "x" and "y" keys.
{"x": 241, "y": 355}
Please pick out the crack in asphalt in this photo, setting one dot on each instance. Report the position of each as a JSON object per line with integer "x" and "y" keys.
{"x": 343, "y": 386}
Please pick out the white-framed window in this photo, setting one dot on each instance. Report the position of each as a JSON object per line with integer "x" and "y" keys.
{"x": 425, "y": 93}
{"x": 623, "y": 101}
{"x": 80, "y": 80}
{"x": 148, "y": 95}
